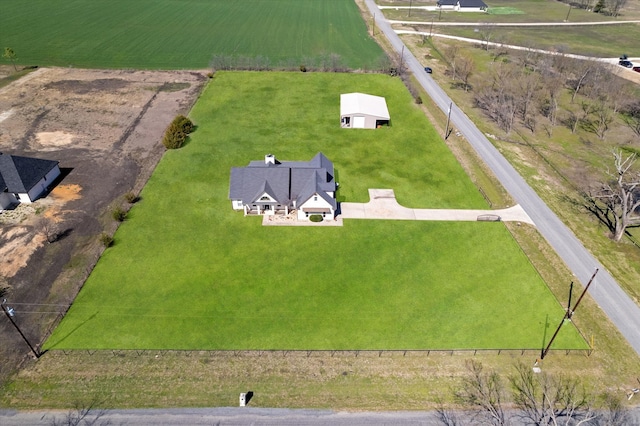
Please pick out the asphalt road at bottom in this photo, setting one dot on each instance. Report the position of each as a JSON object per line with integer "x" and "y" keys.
{"x": 227, "y": 416}
{"x": 245, "y": 416}
{"x": 618, "y": 306}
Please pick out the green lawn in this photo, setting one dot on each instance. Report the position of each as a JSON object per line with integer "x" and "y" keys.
{"x": 169, "y": 34}
{"x": 187, "y": 272}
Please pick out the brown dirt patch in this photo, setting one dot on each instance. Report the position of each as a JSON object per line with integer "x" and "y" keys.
{"x": 19, "y": 243}
{"x": 54, "y": 138}
{"x": 105, "y": 128}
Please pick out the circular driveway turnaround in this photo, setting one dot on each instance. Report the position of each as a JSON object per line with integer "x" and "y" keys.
{"x": 618, "y": 306}
{"x": 383, "y": 205}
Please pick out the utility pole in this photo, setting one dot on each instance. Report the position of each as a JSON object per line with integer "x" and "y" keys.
{"x": 567, "y": 315}
{"x": 401, "y": 60}
{"x": 373, "y": 25}
{"x": 567, "y": 18}
{"x": 431, "y": 29}
{"x": 446, "y": 132}
{"x": 10, "y": 313}
{"x": 410, "y": 4}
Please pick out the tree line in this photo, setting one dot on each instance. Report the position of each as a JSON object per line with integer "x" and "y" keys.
{"x": 530, "y": 397}
{"x": 535, "y": 91}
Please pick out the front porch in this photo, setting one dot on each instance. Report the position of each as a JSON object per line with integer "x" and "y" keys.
{"x": 291, "y": 219}
{"x": 265, "y": 210}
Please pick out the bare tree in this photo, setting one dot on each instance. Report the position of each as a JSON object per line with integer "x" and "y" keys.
{"x": 549, "y": 400}
{"x": 465, "y": 69}
{"x": 528, "y": 88}
{"x": 451, "y": 54}
{"x": 82, "y": 415}
{"x": 616, "y": 201}
{"x": 599, "y": 118}
{"x": 603, "y": 119}
{"x": 613, "y": 413}
{"x": 446, "y": 416}
{"x": 487, "y": 33}
{"x": 483, "y": 390}
{"x": 49, "y": 228}
{"x": 614, "y": 6}
{"x": 631, "y": 117}
{"x": 581, "y": 73}
{"x": 553, "y": 85}
{"x": 561, "y": 63}
{"x": 577, "y": 117}
{"x": 529, "y": 58}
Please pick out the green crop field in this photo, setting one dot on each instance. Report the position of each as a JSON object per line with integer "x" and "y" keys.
{"x": 188, "y": 272}
{"x": 169, "y": 34}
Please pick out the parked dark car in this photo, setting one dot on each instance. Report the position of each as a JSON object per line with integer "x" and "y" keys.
{"x": 625, "y": 63}
{"x": 636, "y": 69}
{"x": 428, "y": 70}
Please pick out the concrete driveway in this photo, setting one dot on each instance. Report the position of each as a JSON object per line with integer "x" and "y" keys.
{"x": 383, "y": 205}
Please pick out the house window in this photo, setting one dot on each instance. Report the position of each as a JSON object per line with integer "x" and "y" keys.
{"x": 264, "y": 198}
{"x": 315, "y": 198}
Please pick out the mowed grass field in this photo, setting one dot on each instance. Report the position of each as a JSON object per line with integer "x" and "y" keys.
{"x": 188, "y": 272}
{"x": 169, "y": 34}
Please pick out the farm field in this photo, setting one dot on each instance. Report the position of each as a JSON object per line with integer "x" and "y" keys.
{"x": 164, "y": 34}
{"x": 610, "y": 40}
{"x": 506, "y": 11}
{"x": 187, "y": 272}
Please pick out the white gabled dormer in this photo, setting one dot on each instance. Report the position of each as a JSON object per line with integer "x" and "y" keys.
{"x": 266, "y": 198}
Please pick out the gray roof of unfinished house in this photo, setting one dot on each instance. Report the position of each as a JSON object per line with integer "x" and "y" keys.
{"x": 21, "y": 174}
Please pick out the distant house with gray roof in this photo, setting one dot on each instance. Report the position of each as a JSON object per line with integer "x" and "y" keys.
{"x": 462, "y": 5}
{"x": 272, "y": 186}
{"x": 24, "y": 179}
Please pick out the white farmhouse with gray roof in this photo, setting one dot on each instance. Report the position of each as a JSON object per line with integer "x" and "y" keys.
{"x": 362, "y": 111}
{"x": 24, "y": 179}
{"x": 272, "y": 186}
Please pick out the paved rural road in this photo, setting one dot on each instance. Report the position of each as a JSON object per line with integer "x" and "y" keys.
{"x": 229, "y": 416}
{"x": 243, "y": 416}
{"x": 618, "y": 306}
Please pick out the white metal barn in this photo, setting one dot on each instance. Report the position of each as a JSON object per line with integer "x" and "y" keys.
{"x": 362, "y": 111}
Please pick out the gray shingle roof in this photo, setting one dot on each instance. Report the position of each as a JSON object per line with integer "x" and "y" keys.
{"x": 21, "y": 174}
{"x": 285, "y": 181}
{"x": 463, "y": 3}
{"x": 472, "y": 3}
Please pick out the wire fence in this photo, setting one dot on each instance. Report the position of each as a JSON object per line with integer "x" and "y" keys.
{"x": 532, "y": 353}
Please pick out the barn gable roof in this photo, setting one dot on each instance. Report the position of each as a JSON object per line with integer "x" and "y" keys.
{"x": 361, "y": 103}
